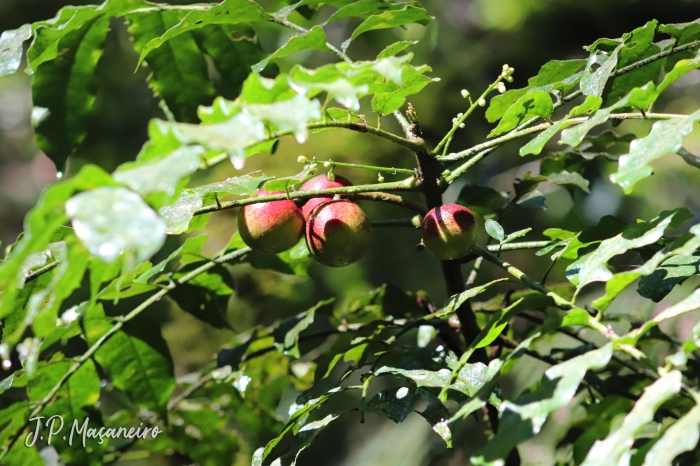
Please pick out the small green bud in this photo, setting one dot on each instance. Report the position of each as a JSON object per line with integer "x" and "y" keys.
{"x": 482, "y": 102}
{"x": 327, "y": 164}
{"x": 302, "y": 159}
{"x": 465, "y": 93}
{"x": 380, "y": 178}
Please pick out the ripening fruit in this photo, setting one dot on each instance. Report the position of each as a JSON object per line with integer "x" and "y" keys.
{"x": 321, "y": 182}
{"x": 271, "y": 227}
{"x": 449, "y": 231}
{"x": 338, "y": 233}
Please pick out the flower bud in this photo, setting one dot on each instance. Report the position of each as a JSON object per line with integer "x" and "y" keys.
{"x": 482, "y": 102}
{"x": 327, "y": 164}
{"x": 465, "y": 93}
{"x": 302, "y": 159}
{"x": 501, "y": 87}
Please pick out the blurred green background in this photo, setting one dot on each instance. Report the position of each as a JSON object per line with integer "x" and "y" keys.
{"x": 466, "y": 45}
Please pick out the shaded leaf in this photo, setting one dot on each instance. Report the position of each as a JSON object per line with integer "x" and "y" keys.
{"x": 495, "y": 230}
{"x": 66, "y": 87}
{"x": 483, "y": 199}
{"x": 136, "y": 358}
{"x": 180, "y": 77}
{"x": 206, "y": 295}
{"x": 671, "y": 272}
{"x": 226, "y": 12}
{"x": 287, "y": 333}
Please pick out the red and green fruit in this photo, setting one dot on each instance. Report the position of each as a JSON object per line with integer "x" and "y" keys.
{"x": 321, "y": 182}
{"x": 338, "y": 233}
{"x": 271, "y": 227}
{"x": 449, "y": 231}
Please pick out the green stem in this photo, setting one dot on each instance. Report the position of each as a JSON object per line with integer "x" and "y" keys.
{"x": 409, "y": 184}
{"x": 520, "y": 275}
{"x": 542, "y": 126}
{"x": 114, "y": 329}
{"x": 387, "y": 170}
{"x": 448, "y": 137}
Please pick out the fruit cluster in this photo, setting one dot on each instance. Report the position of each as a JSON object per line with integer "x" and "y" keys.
{"x": 338, "y": 232}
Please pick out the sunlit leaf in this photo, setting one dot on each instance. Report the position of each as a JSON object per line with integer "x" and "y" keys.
{"x": 665, "y": 137}
{"x": 682, "y": 436}
{"x": 618, "y": 443}
{"x": 593, "y": 82}
{"x": 11, "y": 48}
{"x": 314, "y": 39}
{"x": 287, "y": 333}
{"x": 532, "y": 104}
{"x": 112, "y": 221}
{"x": 66, "y": 87}
{"x": 409, "y": 14}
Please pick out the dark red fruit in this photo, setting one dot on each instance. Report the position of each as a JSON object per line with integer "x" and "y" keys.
{"x": 321, "y": 182}
{"x": 338, "y": 233}
{"x": 271, "y": 227}
{"x": 449, "y": 231}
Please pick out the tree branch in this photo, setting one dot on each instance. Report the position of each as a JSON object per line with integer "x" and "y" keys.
{"x": 409, "y": 184}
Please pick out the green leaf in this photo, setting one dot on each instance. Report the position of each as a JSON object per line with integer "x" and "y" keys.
{"x": 641, "y": 97}
{"x": 682, "y": 436}
{"x": 299, "y": 414}
{"x": 178, "y": 215}
{"x": 395, "y": 48}
{"x": 73, "y": 401}
{"x": 409, "y": 14}
{"x": 593, "y": 82}
{"x": 532, "y": 104}
{"x": 287, "y": 333}
{"x": 233, "y": 52}
{"x": 413, "y": 82}
{"x": 454, "y": 302}
{"x": 398, "y": 403}
{"x": 11, "y": 48}
{"x": 495, "y": 230}
{"x": 180, "y": 77}
{"x": 673, "y": 271}
{"x": 665, "y": 137}
{"x": 66, "y": 87}
{"x": 287, "y": 182}
{"x": 637, "y": 46}
{"x": 555, "y": 71}
{"x": 206, "y": 295}
{"x": 523, "y": 417}
{"x": 40, "y": 227}
{"x": 619, "y": 442}
{"x": 226, "y": 12}
{"x": 483, "y": 200}
{"x": 468, "y": 381}
{"x": 365, "y": 8}
{"x": 387, "y": 302}
{"x": 607, "y": 227}
{"x": 593, "y": 266}
{"x": 536, "y": 145}
{"x": 313, "y": 39}
{"x": 112, "y": 221}
{"x": 162, "y": 175}
{"x": 136, "y": 358}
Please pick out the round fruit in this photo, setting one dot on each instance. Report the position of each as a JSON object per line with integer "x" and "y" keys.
{"x": 321, "y": 182}
{"x": 338, "y": 233}
{"x": 271, "y": 227}
{"x": 449, "y": 231}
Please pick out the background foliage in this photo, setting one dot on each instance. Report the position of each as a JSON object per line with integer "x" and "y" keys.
{"x": 588, "y": 408}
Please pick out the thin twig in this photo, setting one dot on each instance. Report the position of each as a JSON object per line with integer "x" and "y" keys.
{"x": 409, "y": 184}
